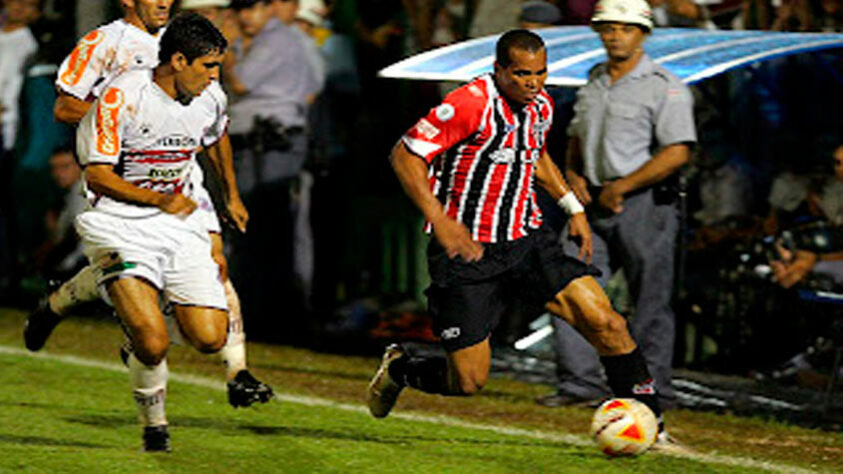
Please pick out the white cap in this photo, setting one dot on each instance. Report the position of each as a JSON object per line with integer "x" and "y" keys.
{"x": 311, "y": 11}
{"x": 193, "y": 4}
{"x": 633, "y": 12}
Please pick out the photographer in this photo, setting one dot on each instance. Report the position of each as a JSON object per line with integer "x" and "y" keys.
{"x": 270, "y": 79}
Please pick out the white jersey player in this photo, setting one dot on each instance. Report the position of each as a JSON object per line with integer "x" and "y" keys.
{"x": 125, "y": 45}
{"x": 138, "y": 145}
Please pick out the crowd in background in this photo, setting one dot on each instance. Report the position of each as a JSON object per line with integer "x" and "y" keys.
{"x": 768, "y": 135}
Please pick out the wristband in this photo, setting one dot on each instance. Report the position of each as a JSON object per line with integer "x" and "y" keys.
{"x": 570, "y": 203}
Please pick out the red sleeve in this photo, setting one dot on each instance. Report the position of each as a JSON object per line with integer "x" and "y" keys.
{"x": 452, "y": 121}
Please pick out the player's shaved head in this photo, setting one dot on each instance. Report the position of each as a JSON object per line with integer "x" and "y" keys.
{"x": 524, "y": 40}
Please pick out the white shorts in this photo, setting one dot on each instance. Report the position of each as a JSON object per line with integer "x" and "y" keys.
{"x": 171, "y": 253}
{"x": 205, "y": 210}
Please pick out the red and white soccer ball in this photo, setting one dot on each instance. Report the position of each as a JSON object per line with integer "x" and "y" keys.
{"x": 624, "y": 427}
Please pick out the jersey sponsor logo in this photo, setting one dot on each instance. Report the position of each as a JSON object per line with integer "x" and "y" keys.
{"x": 445, "y": 112}
{"x": 107, "y": 112}
{"x": 450, "y": 333}
{"x": 503, "y": 156}
{"x": 80, "y": 57}
{"x": 165, "y": 173}
{"x": 427, "y": 129}
{"x": 178, "y": 141}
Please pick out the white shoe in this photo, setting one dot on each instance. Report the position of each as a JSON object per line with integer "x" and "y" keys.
{"x": 383, "y": 391}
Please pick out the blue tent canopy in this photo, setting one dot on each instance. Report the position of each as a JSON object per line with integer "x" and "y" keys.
{"x": 691, "y": 54}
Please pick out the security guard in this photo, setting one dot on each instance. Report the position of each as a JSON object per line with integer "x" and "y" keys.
{"x": 633, "y": 128}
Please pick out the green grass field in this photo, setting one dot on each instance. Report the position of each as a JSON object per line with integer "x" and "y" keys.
{"x": 69, "y": 409}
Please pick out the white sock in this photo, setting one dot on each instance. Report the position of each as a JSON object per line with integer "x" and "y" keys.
{"x": 233, "y": 353}
{"x": 82, "y": 288}
{"x": 149, "y": 388}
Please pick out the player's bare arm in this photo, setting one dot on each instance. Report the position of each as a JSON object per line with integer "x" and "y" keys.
{"x": 69, "y": 109}
{"x": 221, "y": 158}
{"x": 550, "y": 178}
{"x": 452, "y": 235}
{"x": 573, "y": 170}
{"x": 663, "y": 164}
{"x": 102, "y": 179}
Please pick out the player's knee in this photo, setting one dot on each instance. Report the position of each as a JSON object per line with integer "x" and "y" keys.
{"x": 209, "y": 343}
{"x": 151, "y": 349}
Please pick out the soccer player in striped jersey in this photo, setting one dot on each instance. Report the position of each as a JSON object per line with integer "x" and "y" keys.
{"x": 124, "y": 45}
{"x": 471, "y": 166}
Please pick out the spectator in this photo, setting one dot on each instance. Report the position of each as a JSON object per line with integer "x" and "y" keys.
{"x": 17, "y": 48}
{"x": 60, "y": 255}
{"x": 538, "y": 14}
{"x": 631, "y": 132}
{"x": 796, "y": 195}
{"x": 270, "y": 82}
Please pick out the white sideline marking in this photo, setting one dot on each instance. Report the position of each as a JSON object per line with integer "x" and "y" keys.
{"x": 576, "y": 440}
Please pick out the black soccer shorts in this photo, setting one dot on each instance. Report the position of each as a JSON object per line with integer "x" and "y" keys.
{"x": 467, "y": 299}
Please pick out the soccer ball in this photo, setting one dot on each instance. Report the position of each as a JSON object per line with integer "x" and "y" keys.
{"x": 624, "y": 427}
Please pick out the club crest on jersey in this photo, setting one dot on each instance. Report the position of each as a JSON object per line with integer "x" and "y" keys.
{"x": 427, "y": 129}
{"x": 539, "y": 129}
{"x": 107, "y": 112}
{"x": 445, "y": 112}
{"x": 80, "y": 57}
{"x": 503, "y": 156}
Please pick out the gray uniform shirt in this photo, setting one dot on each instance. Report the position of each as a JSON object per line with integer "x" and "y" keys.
{"x": 621, "y": 125}
{"x": 279, "y": 76}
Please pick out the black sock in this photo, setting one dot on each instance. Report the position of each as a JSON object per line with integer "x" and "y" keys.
{"x": 428, "y": 374}
{"x": 628, "y": 377}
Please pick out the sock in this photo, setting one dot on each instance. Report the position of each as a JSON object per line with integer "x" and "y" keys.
{"x": 149, "y": 388}
{"x": 428, "y": 374}
{"x": 82, "y": 288}
{"x": 233, "y": 353}
{"x": 628, "y": 377}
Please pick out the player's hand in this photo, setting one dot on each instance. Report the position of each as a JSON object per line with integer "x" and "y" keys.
{"x": 579, "y": 186}
{"x": 578, "y": 229}
{"x": 177, "y": 205}
{"x": 455, "y": 238}
{"x": 237, "y": 214}
{"x": 611, "y": 196}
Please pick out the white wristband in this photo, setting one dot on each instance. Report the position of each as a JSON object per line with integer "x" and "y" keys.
{"x": 570, "y": 203}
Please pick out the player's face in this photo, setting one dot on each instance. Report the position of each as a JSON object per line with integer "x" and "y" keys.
{"x": 621, "y": 40}
{"x": 524, "y": 78}
{"x": 154, "y": 14}
{"x": 253, "y": 19}
{"x": 194, "y": 77}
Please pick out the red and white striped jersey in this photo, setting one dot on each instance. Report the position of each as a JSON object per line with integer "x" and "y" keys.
{"x": 150, "y": 138}
{"x": 483, "y": 154}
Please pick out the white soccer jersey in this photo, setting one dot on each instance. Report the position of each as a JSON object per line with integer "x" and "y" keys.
{"x": 150, "y": 138}
{"x": 104, "y": 54}
{"x": 116, "y": 48}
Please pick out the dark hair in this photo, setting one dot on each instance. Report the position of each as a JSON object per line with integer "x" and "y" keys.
{"x": 519, "y": 39}
{"x": 192, "y": 35}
